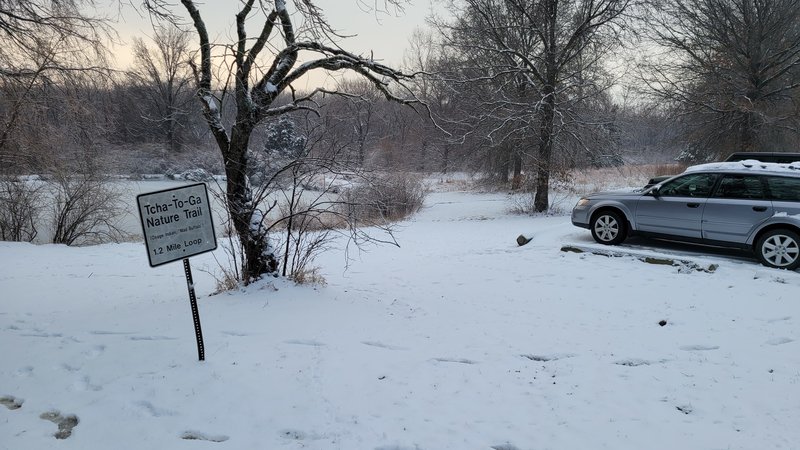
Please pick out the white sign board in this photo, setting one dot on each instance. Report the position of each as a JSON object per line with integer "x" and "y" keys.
{"x": 176, "y": 223}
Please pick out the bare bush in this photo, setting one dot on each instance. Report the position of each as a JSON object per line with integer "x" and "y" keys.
{"x": 668, "y": 169}
{"x": 227, "y": 279}
{"x": 309, "y": 276}
{"x": 85, "y": 210}
{"x": 594, "y": 180}
{"x": 307, "y": 233}
{"x": 20, "y": 203}
{"x": 390, "y": 198}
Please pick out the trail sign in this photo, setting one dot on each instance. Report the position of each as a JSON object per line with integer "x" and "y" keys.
{"x": 176, "y": 223}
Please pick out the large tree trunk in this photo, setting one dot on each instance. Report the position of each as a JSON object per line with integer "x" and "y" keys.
{"x": 258, "y": 257}
{"x": 541, "y": 200}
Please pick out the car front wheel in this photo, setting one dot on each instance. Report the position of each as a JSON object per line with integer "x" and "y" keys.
{"x": 608, "y": 227}
{"x": 779, "y": 249}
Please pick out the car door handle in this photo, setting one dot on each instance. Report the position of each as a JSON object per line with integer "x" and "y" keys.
{"x": 693, "y": 205}
{"x": 759, "y": 208}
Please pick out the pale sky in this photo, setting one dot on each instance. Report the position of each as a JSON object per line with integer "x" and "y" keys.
{"x": 386, "y": 35}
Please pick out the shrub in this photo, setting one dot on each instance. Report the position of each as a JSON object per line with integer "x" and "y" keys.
{"x": 85, "y": 210}
{"x": 668, "y": 169}
{"x": 390, "y": 198}
{"x": 310, "y": 276}
{"x": 197, "y": 174}
{"x": 19, "y": 209}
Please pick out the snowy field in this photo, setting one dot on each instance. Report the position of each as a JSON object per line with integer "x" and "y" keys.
{"x": 459, "y": 339}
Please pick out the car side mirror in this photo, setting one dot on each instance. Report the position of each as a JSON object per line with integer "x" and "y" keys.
{"x": 655, "y": 191}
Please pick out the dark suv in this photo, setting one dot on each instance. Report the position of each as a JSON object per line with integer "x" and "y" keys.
{"x": 748, "y": 204}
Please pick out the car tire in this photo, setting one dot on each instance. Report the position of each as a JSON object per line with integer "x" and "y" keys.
{"x": 608, "y": 227}
{"x": 779, "y": 249}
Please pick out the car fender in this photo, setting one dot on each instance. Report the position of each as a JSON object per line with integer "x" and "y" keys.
{"x": 616, "y": 204}
{"x": 793, "y": 221}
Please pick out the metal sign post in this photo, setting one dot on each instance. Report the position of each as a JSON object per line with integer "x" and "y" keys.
{"x": 198, "y": 331}
{"x": 177, "y": 224}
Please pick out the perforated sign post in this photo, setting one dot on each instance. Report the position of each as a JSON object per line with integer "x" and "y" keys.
{"x": 177, "y": 224}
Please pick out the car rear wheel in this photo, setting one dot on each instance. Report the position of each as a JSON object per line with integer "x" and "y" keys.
{"x": 779, "y": 249}
{"x": 608, "y": 227}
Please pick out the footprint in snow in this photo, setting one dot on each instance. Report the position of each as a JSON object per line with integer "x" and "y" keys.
{"x": 546, "y": 358}
{"x": 309, "y": 342}
{"x": 299, "y": 435}
{"x": 296, "y": 435}
{"x": 65, "y": 423}
{"x": 11, "y": 402}
{"x": 42, "y": 334}
{"x": 382, "y": 345}
{"x": 504, "y": 447}
{"x": 632, "y": 362}
{"x": 70, "y": 368}
{"x": 85, "y": 384}
{"x": 699, "y": 348}
{"x": 235, "y": 333}
{"x": 154, "y": 410}
{"x": 105, "y": 332}
{"x": 780, "y": 319}
{"x": 779, "y": 341}
{"x": 151, "y": 338}
{"x": 25, "y": 371}
{"x": 192, "y": 435}
{"x": 455, "y": 360}
{"x": 95, "y": 351}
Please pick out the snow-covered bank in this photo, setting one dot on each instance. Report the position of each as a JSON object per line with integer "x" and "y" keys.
{"x": 459, "y": 339}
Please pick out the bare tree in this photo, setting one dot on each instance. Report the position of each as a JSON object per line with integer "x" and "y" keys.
{"x": 42, "y": 42}
{"x": 732, "y": 66}
{"x": 20, "y": 205}
{"x": 353, "y": 119}
{"x": 84, "y": 209}
{"x": 25, "y": 25}
{"x": 532, "y": 55}
{"x": 164, "y": 76}
{"x": 361, "y": 112}
{"x": 257, "y": 88}
{"x": 433, "y": 141}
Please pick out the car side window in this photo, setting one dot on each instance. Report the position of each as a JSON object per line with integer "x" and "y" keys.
{"x": 740, "y": 187}
{"x": 692, "y": 185}
{"x": 784, "y": 188}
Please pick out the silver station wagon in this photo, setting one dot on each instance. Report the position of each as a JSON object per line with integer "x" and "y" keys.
{"x": 748, "y": 204}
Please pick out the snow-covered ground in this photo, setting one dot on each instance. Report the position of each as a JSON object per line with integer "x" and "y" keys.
{"x": 459, "y": 339}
